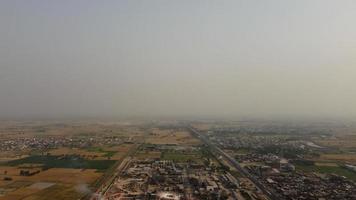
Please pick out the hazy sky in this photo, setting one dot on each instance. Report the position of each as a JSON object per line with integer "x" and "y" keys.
{"x": 219, "y": 58}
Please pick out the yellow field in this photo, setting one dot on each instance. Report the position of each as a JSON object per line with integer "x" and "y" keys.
{"x": 67, "y": 175}
{"x": 58, "y": 191}
{"x": 63, "y": 180}
{"x": 7, "y": 156}
{"x": 339, "y": 157}
{"x": 19, "y": 194}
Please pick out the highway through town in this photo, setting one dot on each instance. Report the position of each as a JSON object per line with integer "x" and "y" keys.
{"x": 233, "y": 162}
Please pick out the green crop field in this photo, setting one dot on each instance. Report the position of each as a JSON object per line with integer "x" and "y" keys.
{"x": 178, "y": 156}
{"x": 63, "y": 162}
{"x": 328, "y": 170}
{"x": 100, "y": 150}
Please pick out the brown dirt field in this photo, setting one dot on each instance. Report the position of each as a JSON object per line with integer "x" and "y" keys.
{"x": 346, "y": 141}
{"x": 202, "y": 127}
{"x": 118, "y": 156}
{"x": 171, "y": 137}
{"x": 326, "y": 164}
{"x": 12, "y": 197}
{"x": 8, "y": 156}
{"x": 11, "y": 171}
{"x": 53, "y": 175}
{"x": 31, "y": 129}
{"x": 59, "y": 191}
{"x": 20, "y": 193}
{"x": 66, "y": 175}
{"x": 339, "y": 157}
{"x": 71, "y": 151}
{"x": 148, "y": 154}
{"x": 121, "y": 150}
{"x": 66, "y": 180}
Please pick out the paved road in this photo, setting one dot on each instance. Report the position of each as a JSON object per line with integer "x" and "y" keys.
{"x": 233, "y": 162}
{"x": 111, "y": 177}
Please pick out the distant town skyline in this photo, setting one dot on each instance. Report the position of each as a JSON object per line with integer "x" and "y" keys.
{"x": 267, "y": 59}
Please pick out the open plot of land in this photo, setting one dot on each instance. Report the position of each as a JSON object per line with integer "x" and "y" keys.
{"x": 46, "y": 184}
{"x": 91, "y": 154}
{"x": 64, "y": 162}
{"x": 7, "y": 156}
{"x": 202, "y": 126}
{"x": 178, "y": 156}
{"x": 328, "y": 170}
{"x": 120, "y": 150}
{"x": 86, "y": 151}
{"x": 166, "y": 136}
{"x": 102, "y": 151}
{"x": 351, "y": 158}
{"x": 59, "y": 191}
{"x": 54, "y": 175}
{"x": 19, "y": 186}
{"x": 148, "y": 155}
{"x": 67, "y": 175}
{"x": 95, "y": 153}
{"x": 9, "y": 171}
{"x": 199, "y": 156}
{"x": 326, "y": 164}
{"x": 20, "y": 193}
{"x": 41, "y": 185}
{"x": 343, "y": 141}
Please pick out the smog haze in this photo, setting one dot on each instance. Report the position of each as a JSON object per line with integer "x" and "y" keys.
{"x": 127, "y": 58}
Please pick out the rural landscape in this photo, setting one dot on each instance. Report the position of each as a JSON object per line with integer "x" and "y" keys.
{"x": 66, "y": 160}
{"x": 177, "y": 100}
{"x": 176, "y": 160}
